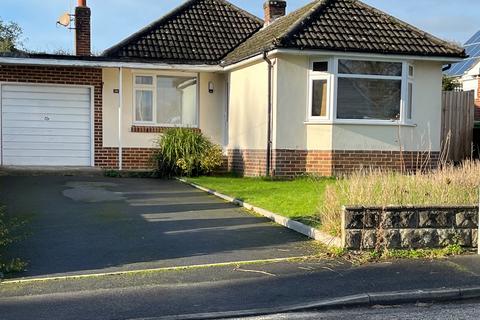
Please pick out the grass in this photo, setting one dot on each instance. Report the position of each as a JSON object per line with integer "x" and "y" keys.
{"x": 297, "y": 199}
{"x": 388, "y": 255}
{"x": 318, "y": 201}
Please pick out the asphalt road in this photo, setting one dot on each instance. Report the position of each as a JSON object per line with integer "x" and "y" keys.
{"x": 225, "y": 289}
{"x": 453, "y": 311}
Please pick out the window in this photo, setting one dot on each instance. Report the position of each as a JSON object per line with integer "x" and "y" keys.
{"x": 410, "y": 71}
{"x": 409, "y": 102}
{"x": 144, "y": 93}
{"x": 147, "y": 80}
{"x": 319, "y": 98}
{"x": 369, "y": 90}
{"x": 320, "y": 66}
{"x": 370, "y": 68}
{"x": 166, "y": 100}
{"x": 144, "y": 103}
{"x": 360, "y": 91}
{"x": 319, "y": 84}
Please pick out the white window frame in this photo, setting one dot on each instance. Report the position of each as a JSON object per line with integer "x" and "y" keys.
{"x": 153, "y": 87}
{"x": 409, "y": 101}
{"x": 319, "y": 75}
{"x": 144, "y": 87}
{"x": 332, "y": 77}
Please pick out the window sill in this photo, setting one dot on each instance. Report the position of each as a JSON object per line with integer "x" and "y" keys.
{"x": 360, "y": 123}
{"x": 155, "y": 129}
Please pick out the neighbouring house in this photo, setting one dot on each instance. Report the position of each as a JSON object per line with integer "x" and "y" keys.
{"x": 326, "y": 89}
{"x": 467, "y": 71}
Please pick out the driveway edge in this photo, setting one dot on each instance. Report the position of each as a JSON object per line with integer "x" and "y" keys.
{"x": 360, "y": 300}
{"x": 299, "y": 227}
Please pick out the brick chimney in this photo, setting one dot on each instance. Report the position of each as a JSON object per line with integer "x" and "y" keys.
{"x": 82, "y": 29}
{"x": 274, "y": 9}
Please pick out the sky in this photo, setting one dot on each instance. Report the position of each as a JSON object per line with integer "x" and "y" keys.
{"x": 113, "y": 20}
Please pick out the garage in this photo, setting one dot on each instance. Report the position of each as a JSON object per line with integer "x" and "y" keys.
{"x": 46, "y": 125}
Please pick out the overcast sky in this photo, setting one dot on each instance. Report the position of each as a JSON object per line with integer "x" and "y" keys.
{"x": 114, "y": 20}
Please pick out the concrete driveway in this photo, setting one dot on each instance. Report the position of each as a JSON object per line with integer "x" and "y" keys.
{"x": 81, "y": 225}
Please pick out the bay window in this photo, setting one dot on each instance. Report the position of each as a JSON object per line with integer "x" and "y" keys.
{"x": 163, "y": 100}
{"x": 363, "y": 91}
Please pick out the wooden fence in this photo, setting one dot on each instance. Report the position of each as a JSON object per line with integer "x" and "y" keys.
{"x": 458, "y": 112}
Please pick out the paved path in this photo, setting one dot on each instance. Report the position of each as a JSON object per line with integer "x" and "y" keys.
{"x": 95, "y": 224}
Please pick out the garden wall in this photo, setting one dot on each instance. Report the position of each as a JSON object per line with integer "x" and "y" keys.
{"x": 409, "y": 227}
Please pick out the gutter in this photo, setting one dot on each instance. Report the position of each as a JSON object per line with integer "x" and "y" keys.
{"x": 252, "y": 59}
{"x": 372, "y": 55}
{"x": 270, "y": 109}
{"x": 205, "y": 68}
{"x": 296, "y": 52}
{"x": 106, "y": 64}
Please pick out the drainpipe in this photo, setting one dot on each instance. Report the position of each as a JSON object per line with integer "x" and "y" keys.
{"x": 120, "y": 109}
{"x": 270, "y": 108}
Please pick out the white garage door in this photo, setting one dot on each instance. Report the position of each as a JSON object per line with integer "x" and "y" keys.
{"x": 46, "y": 125}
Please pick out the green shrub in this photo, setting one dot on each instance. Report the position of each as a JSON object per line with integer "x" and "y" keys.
{"x": 9, "y": 233}
{"x": 185, "y": 152}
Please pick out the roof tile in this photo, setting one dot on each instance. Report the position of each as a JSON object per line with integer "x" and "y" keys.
{"x": 197, "y": 32}
{"x": 343, "y": 25}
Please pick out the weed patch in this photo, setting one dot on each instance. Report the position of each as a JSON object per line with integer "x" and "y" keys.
{"x": 448, "y": 185}
{"x": 10, "y": 232}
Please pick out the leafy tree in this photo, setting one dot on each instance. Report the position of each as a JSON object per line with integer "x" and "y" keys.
{"x": 450, "y": 84}
{"x": 10, "y": 36}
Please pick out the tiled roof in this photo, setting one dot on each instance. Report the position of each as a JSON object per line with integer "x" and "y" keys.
{"x": 197, "y": 32}
{"x": 347, "y": 26}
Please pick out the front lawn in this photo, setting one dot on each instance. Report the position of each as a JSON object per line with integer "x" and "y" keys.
{"x": 297, "y": 199}
{"x": 318, "y": 201}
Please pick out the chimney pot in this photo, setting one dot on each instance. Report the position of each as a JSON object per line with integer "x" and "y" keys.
{"x": 82, "y": 3}
{"x": 273, "y": 10}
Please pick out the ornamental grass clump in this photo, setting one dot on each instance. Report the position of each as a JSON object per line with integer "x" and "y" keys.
{"x": 186, "y": 152}
{"x": 448, "y": 185}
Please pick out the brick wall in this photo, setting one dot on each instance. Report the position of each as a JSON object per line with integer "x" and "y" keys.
{"x": 347, "y": 161}
{"x": 251, "y": 163}
{"x": 290, "y": 163}
{"x": 134, "y": 158}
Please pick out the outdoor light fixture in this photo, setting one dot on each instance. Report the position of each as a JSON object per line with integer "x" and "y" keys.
{"x": 210, "y": 87}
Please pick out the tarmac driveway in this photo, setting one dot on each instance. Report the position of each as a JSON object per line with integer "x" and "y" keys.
{"x": 80, "y": 225}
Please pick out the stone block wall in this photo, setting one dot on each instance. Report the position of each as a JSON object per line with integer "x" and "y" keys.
{"x": 409, "y": 227}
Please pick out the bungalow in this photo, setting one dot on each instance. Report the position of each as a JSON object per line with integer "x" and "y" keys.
{"x": 326, "y": 89}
